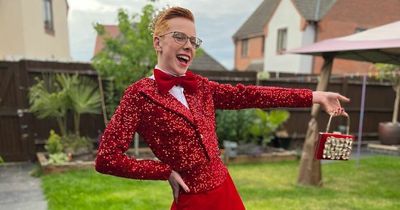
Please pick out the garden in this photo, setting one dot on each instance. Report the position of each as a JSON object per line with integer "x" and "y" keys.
{"x": 250, "y": 139}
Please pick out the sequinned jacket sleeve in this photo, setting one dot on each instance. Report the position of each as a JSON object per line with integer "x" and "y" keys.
{"x": 226, "y": 96}
{"x": 116, "y": 140}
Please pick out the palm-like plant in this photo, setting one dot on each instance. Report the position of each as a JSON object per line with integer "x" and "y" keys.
{"x": 266, "y": 123}
{"x": 67, "y": 93}
{"x": 47, "y": 101}
{"x": 83, "y": 98}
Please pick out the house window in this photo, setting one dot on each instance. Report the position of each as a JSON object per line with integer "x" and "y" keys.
{"x": 282, "y": 40}
{"x": 358, "y": 29}
{"x": 48, "y": 15}
{"x": 245, "y": 46}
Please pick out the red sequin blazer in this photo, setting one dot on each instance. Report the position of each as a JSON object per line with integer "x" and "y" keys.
{"x": 182, "y": 139}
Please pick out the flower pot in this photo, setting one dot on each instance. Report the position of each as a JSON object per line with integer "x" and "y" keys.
{"x": 389, "y": 133}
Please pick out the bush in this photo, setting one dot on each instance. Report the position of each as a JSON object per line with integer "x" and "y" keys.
{"x": 76, "y": 144}
{"x": 249, "y": 125}
{"x": 233, "y": 125}
{"x": 53, "y": 145}
{"x": 266, "y": 124}
{"x": 55, "y": 149}
{"x": 58, "y": 158}
{"x": 1, "y": 161}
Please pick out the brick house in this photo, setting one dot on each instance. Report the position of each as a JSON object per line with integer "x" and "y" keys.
{"x": 280, "y": 25}
{"x": 203, "y": 62}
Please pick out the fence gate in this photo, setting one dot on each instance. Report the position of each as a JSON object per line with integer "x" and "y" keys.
{"x": 14, "y": 138}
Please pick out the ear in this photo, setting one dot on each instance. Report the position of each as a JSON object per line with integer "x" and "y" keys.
{"x": 157, "y": 44}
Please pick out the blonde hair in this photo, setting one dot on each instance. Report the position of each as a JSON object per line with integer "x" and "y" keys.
{"x": 159, "y": 24}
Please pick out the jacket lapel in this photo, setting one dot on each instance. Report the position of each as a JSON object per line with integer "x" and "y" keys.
{"x": 167, "y": 101}
{"x": 195, "y": 105}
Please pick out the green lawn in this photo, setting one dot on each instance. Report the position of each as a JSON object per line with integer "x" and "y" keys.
{"x": 374, "y": 185}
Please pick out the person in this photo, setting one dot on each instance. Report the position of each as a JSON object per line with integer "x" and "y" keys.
{"x": 174, "y": 111}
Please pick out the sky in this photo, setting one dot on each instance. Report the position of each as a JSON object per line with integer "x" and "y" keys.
{"x": 216, "y": 22}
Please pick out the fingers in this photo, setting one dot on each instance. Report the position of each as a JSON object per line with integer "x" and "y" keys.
{"x": 345, "y": 114}
{"x": 343, "y": 98}
{"x": 182, "y": 184}
{"x": 175, "y": 189}
{"x": 176, "y": 181}
{"x": 175, "y": 192}
{"x": 339, "y": 111}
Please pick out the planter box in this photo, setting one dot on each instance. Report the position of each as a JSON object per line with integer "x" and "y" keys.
{"x": 48, "y": 168}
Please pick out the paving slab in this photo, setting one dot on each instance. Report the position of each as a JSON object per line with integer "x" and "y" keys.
{"x": 19, "y": 190}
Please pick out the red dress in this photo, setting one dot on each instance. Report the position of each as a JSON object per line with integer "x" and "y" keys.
{"x": 183, "y": 140}
{"x": 224, "y": 197}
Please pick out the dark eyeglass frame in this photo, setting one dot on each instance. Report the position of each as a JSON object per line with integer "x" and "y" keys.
{"x": 182, "y": 38}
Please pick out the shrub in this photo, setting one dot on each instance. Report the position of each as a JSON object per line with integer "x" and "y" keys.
{"x": 76, "y": 144}
{"x": 54, "y": 145}
{"x": 266, "y": 123}
{"x": 233, "y": 125}
{"x": 58, "y": 158}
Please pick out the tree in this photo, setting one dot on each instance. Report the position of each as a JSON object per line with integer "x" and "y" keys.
{"x": 310, "y": 168}
{"x": 391, "y": 72}
{"x": 128, "y": 57}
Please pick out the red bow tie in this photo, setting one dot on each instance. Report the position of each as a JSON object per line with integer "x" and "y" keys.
{"x": 166, "y": 81}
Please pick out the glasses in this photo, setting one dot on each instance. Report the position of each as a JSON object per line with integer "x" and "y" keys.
{"x": 182, "y": 38}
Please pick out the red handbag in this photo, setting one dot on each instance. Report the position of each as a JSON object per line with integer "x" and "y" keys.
{"x": 334, "y": 146}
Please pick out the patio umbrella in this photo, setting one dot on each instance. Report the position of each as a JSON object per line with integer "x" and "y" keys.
{"x": 376, "y": 45}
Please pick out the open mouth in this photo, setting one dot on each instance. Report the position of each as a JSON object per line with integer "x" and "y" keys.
{"x": 184, "y": 59}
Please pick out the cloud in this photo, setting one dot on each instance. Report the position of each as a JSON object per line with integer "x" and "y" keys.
{"x": 216, "y": 22}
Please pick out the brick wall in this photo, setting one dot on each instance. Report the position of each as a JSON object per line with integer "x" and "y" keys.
{"x": 255, "y": 51}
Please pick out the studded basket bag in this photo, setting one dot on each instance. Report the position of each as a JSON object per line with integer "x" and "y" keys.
{"x": 334, "y": 146}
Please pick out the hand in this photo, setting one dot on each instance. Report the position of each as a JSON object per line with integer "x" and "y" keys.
{"x": 176, "y": 181}
{"x": 330, "y": 102}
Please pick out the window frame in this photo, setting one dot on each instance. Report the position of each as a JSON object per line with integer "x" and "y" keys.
{"x": 48, "y": 16}
{"x": 282, "y": 40}
{"x": 245, "y": 48}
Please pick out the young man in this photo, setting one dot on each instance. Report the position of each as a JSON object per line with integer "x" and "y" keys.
{"x": 174, "y": 111}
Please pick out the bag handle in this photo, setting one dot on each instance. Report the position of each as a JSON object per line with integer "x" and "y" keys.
{"x": 347, "y": 126}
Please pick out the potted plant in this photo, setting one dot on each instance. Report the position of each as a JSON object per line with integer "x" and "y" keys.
{"x": 389, "y": 132}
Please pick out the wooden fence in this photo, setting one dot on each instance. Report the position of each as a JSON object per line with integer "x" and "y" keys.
{"x": 22, "y": 135}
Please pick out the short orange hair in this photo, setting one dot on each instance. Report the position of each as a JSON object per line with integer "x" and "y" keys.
{"x": 160, "y": 25}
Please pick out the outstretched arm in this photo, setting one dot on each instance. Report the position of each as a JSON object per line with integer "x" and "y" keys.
{"x": 226, "y": 96}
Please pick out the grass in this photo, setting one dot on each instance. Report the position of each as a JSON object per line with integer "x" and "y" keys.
{"x": 373, "y": 185}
